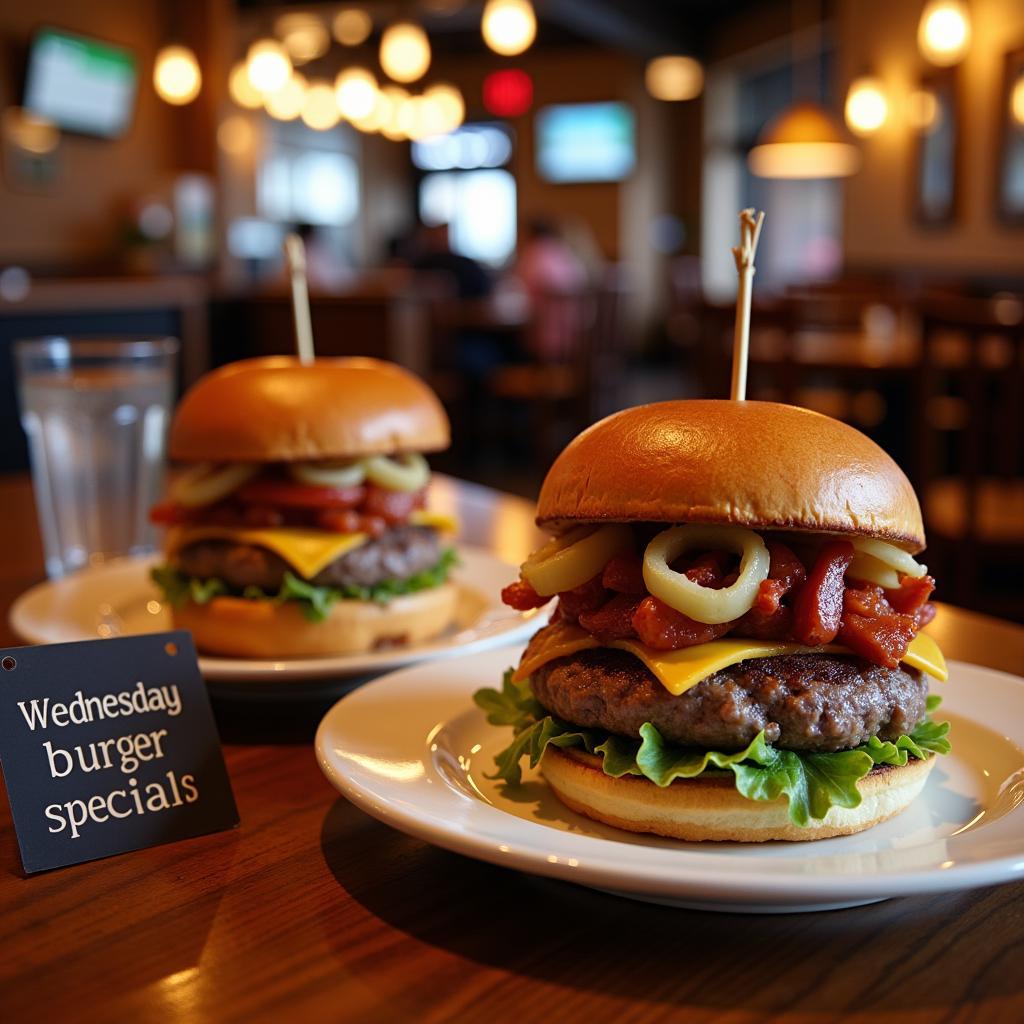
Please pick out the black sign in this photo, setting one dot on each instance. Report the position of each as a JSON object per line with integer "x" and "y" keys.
{"x": 109, "y": 746}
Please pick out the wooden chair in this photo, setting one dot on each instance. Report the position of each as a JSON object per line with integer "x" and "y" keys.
{"x": 969, "y": 466}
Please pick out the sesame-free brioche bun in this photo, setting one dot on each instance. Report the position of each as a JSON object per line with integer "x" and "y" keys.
{"x": 242, "y": 628}
{"x": 711, "y": 808}
{"x": 276, "y": 409}
{"x": 757, "y": 464}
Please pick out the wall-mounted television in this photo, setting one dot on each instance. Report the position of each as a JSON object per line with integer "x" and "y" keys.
{"x": 82, "y": 85}
{"x": 578, "y": 142}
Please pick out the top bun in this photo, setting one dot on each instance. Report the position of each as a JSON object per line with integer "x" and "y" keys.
{"x": 277, "y": 409}
{"x": 757, "y": 464}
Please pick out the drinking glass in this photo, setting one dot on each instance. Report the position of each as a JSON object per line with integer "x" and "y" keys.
{"x": 96, "y": 414}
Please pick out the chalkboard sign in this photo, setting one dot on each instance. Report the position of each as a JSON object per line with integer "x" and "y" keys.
{"x": 109, "y": 746}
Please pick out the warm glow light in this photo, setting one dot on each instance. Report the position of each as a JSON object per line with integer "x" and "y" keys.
{"x": 267, "y": 65}
{"x": 1017, "y": 101}
{"x": 674, "y": 78}
{"x": 393, "y": 99}
{"x": 508, "y": 26}
{"x": 404, "y": 51}
{"x": 235, "y": 135}
{"x": 804, "y": 142}
{"x": 923, "y": 110}
{"x": 287, "y": 102}
{"x": 242, "y": 90}
{"x": 944, "y": 32}
{"x": 30, "y": 132}
{"x": 320, "y": 111}
{"x": 866, "y": 106}
{"x": 176, "y": 75}
{"x": 355, "y": 91}
{"x": 352, "y": 26}
{"x": 448, "y": 104}
{"x": 304, "y": 36}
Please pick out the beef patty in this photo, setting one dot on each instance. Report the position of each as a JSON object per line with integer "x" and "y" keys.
{"x": 812, "y": 702}
{"x": 398, "y": 555}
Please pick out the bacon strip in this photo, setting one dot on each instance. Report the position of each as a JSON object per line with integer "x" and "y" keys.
{"x": 613, "y": 620}
{"x": 521, "y": 596}
{"x": 625, "y": 574}
{"x": 818, "y": 603}
{"x": 665, "y": 629}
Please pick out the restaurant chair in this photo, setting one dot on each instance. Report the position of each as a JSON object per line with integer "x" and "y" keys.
{"x": 969, "y": 459}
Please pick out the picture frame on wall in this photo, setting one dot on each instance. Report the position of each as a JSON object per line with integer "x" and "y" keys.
{"x": 1010, "y": 161}
{"x": 936, "y": 175}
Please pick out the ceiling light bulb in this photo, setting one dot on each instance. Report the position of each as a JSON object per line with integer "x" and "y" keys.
{"x": 355, "y": 91}
{"x": 944, "y": 32}
{"x": 268, "y": 65}
{"x": 286, "y": 103}
{"x": 1017, "y": 101}
{"x": 242, "y": 90}
{"x": 352, "y": 26}
{"x": 320, "y": 111}
{"x": 448, "y": 104}
{"x": 674, "y": 78}
{"x": 866, "y": 106}
{"x": 404, "y": 51}
{"x": 509, "y": 26}
{"x": 304, "y": 36}
{"x": 176, "y": 75}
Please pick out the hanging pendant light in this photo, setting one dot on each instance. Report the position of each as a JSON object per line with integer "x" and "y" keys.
{"x": 804, "y": 142}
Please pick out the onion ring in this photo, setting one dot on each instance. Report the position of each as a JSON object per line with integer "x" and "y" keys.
{"x": 566, "y": 562}
{"x": 208, "y": 483}
{"x": 329, "y": 474}
{"x": 890, "y": 555}
{"x": 400, "y": 473}
{"x": 705, "y": 604}
{"x": 867, "y": 567}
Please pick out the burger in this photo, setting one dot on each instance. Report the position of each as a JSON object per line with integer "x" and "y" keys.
{"x": 736, "y": 651}
{"x": 300, "y": 525}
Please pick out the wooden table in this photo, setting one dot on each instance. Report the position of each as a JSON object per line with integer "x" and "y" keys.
{"x": 313, "y": 911}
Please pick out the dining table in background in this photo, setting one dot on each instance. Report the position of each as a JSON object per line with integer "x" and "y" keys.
{"x": 311, "y": 910}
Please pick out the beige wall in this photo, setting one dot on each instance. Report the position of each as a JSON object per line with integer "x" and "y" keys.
{"x": 76, "y": 221}
{"x": 879, "y": 229}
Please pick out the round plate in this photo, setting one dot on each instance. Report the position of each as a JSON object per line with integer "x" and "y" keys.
{"x": 424, "y": 771}
{"x": 118, "y": 599}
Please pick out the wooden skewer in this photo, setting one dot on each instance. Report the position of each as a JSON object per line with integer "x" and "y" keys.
{"x": 750, "y": 232}
{"x": 295, "y": 250}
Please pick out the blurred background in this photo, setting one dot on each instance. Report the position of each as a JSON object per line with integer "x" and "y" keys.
{"x": 532, "y": 205}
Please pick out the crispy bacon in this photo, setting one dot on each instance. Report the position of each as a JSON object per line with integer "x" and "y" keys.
{"x": 818, "y": 602}
{"x": 521, "y": 596}
{"x": 912, "y": 594}
{"x": 613, "y": 620}
{"x": 872, "y": 628}
{"x": 625, "y": 574}
{"x": 785, "y": 572}
{"x": 587, "y": 597}
{"x": 708, "y": 570}
{"x": 665, "y": 629}
{"x": 392, "y": 506}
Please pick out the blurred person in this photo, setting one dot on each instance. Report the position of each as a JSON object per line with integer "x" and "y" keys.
{"x": 555, "y": 281}
{"x": 432, "y": 252}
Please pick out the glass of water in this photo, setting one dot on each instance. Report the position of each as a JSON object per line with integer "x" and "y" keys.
{"x": 96, "y": 415}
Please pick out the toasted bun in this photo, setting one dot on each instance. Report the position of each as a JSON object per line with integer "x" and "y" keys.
{"x": 261, "y": 629}
{"x": 279, "y": 410}
{"x": 756, "y": 464}
{"x": 710, "y": 808}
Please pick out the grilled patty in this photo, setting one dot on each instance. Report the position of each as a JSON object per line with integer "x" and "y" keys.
{"x": 812, "y": 702}
{"x": 398, "y": 555}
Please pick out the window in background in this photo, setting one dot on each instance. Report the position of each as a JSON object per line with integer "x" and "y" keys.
{"x": 309, "y": 187}
{"x": 479, "y": 208}
{"x": 467, "y": 187}
{"x": 802, "y": 240}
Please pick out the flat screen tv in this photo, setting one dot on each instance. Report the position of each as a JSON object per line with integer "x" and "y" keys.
{"x": 80, "y": 84}
{"x": 578, "y": 142}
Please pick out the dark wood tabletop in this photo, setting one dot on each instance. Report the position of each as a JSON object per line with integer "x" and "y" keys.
{"x": 311, "y": 910}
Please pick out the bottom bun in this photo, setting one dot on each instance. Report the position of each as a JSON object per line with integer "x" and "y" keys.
{"x": 711, "y": 808}
{"x": 261, "y": 629}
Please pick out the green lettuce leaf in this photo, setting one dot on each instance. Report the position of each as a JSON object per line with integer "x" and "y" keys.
{"x": 810, "y": 782}
{"x": 316, "y": 601}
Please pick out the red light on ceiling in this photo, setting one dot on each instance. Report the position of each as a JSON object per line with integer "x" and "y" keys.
{"x": 508, "y": 93}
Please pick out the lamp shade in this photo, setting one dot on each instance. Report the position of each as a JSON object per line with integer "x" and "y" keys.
{"x": 804, "y": 142}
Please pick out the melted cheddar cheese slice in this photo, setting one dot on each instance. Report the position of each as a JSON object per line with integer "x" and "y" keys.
{"x": 679, "y": 671}
{"x": 306, "y": 551}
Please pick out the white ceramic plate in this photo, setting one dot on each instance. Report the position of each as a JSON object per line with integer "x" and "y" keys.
{"x": 422, "y": 770}
{"x": 118, "y": 599}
